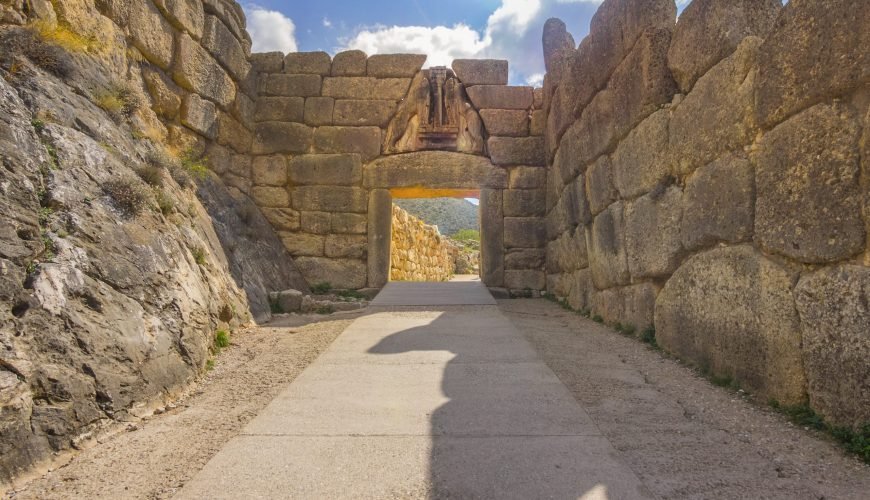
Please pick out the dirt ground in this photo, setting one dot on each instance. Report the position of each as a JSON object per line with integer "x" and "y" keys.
{"x": 684, "y": 437}
{"x": 159, "y": 454}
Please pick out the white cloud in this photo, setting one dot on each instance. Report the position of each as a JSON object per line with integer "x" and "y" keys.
{"x": 441, "y": 44}
{"x": 327, "y": 23}
{"x": 270, "y": 30}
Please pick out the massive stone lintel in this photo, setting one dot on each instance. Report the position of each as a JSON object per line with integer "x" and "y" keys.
{"x": 434, "y": 170}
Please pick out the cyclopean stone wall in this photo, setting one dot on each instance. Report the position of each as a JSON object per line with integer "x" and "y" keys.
{"x": 330, "y": 132}
{"x": 418, "y": 251}
{"x": 709, "y": 178}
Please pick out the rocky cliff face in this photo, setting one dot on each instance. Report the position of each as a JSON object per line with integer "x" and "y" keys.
{"x": 121, "y": 255}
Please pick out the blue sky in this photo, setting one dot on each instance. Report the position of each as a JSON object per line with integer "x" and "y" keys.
{"x": 444, "y": 29}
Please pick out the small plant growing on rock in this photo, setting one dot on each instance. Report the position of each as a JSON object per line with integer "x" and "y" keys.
{"x": 198, "y": 255}
{"x": 130, "y": 197}
{"x": 221, "y": 339}
{"x": 597, "y": 319}
{"x": 120, "y": 100}
{"x": 350, "y": 294}
{"x": 321, "y": 288}
{"x": 153, "y": 176}
{"x": 164, "y": 202}
{"x": 649, "y": 336}
{"x": 31, "y": 44}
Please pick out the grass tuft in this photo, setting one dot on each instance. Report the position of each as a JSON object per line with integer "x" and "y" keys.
{"x": 198, "y": 256}
{"x": 856, "y": 441}
{"x": 221, "y": 339}
{"x": 130, "y": 197}
{"x": 321, "y": 288}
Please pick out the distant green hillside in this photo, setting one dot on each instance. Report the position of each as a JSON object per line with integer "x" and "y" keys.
{"x": 449, "y": 214}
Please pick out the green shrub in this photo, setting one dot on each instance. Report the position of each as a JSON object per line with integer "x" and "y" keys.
{"x": 198, "y": 255}
{"x": 466, "y": 235}
{"x": 153, "y": 176}
{"x": 119, "y": 100}
{"x": 129, "y": 196}
{"x": 221, "y": 339}
{"x": 321, "y": 288}
{"x": 649, "y": 336}
{"x": 164, "y": 202}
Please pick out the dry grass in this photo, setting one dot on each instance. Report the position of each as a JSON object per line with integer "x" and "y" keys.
{"x": 62, "y": 35}
{"x": 120, "y": 100}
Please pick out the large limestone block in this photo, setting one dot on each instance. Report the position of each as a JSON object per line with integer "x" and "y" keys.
{"x": 232, "y": 133}
{"x": 278, "y": 137}
{"x": 574, "y": 155}
{"x": 516, "y": 150}
{"x": 641, "y": 161}
{"x": 572, "y": 208}
{"x": 165, "y": 96}
{"x": 303, "y": 244}
{"x": 349, "y": 63}
{"x": 600, "y": 190}
{"x": 524, "y": 232}
{"x": 580, "y": 289}
{"x": 267, "y": 62}
{"x": 834, "y": 307}
{"x": 319, "y": 111}
{"x": 435, "y": 170}
{"x": 346, "y": 246}
{"x": 527, "y": 178}
{"x": 506, "y": 122}
{"x": 326, "y": 169}
{"x": 481, "y": 71}
{"x": 366, "y": 141}
{"x": 311, "y": 63}
{"x": 356, "y": 87}
{"x": 524, "y": 203}
{"x": 538, "y": 122}
{"x": 340, "y": 273}
{"x": 269, "y": 171}
{"x": 717, "y": 116}
{"x": 315, "y": 222}
{"x": 274, "y": 197}
{"x": 809, "y": 192}
{"x": 282, "y": 219}
{"x": 280, "y": 109}
{"x": 652, "y": 233}
{"x": 526, "y": 279}
{"x": 719, "y": 203}
{"x": 710, "y": 30}
{"x": 629, "y": 306}
{"x": 199, "y": 115}
{"x": 607, "y": 248}
{"x": 330, "y": 199}
{"x": 357, "y": 112}
{"x": 225, "y": 47}
{"x": 525, "y": 258}
{"x": 186, "y": 15}
{"x": 395, "y": 65}
{"x": 492, "y": 228}
{"x": 348, "y": 223}
{"x": 730, "y": 311}
{"x": 151, "y": 34}
{"x": 289, "y": 85}
{"x": 195, "y": 70}
{"x": 816, "y": 50}
{"x": 380, "y": 210}
{"x": 500, "y": 97}
{"x": 558, "y": 45}
{"x": 568, "y": 252}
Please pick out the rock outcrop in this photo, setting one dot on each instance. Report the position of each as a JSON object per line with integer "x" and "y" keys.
{"x": 418, "y": 251}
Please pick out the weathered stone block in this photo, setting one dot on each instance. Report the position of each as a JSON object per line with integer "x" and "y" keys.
{"x": 572, "y": 209}
{"x": 319, "y": 111}
{"x": 652, "y": 233}
{"x": 349, "y": 63}
{"x": 816, "y": 50}
{"x": 289, "y": 85}
{"x": 275, "y": 197}
{"x": 355, "y": 87}
{"x": 199, "y": 115}
{"x": 315, "y": 222}
{"x": 717, "y": 116}
{"x": 311, "y": 63}
{"x": 538, "y": 122}
{"x": 730, "y": 311}
{"x": 640, "y": 162}
{"x": 277, "y": 137}
{"x": 492, "y": 237}
{"x": 340, "y": 273}
{"x": 394, "y": 65}
{"x": 346, "y": 246}
{"x": 269, "y": 171}
{"x": 279, "y": 109}
{"x": 330, "y": 199}
{"x": 267, "y": 62}
{"x": 366, "y": 141}
{"x": 506, "y": 122}
{"x": 833, "y": 307}
{"x": 303, "y": 244}
{"x": 599, "y": 185}
{"x": 233, "y": 134}
{"x": 719, "y": 203}
{"x": 326, "y": 169}
{"x": 527, "y": 178}
{"x": 568, "y": 252}
{"x": 287, "y": 301}
{"x": 809, "y": 191}
{"x": 348, "y": 223}
{"x": 435, "y": 170}
{"x": 558, "y": 46}
{"x": 525, "y": 258}
{"x": 580, "y": 289}
{"x": 282, "y": 219}
{"x": 165, "y": 96}
{"x": 151, "y": 34}
{"x": 243, "y": 109}
{"x": 525, "y": 279}
{"x": 524, "y": 232}
{"x": 524, "y": 203}
{"x": 710, "y": 30}
{"x": 607, "y": 248}
{"x": 357, "y": 113}
{"x": 481, "y": 71}
{"x": 380, "y": 210}
{"x": 195, "y": 70}
{"x": 225, "y": 47}
{"x": 186, "y": 15}
{"x": 516, "y": 150}
{"x": 500, "y": 97}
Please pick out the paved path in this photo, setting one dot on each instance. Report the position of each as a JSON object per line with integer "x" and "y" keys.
{"x": 445, "y": 400}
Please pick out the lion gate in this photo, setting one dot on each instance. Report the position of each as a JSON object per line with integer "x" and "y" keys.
{"x": 336, "y": 140}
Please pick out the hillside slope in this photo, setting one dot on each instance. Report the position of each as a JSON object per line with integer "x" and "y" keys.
{"x": 449, "y": 214}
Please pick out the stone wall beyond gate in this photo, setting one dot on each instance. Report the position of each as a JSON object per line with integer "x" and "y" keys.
{"x": 709, "y": 179}
{"x": 419, "y": 252}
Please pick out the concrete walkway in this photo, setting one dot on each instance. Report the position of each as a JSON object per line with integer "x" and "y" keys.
{"x": 443, "y": 400}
